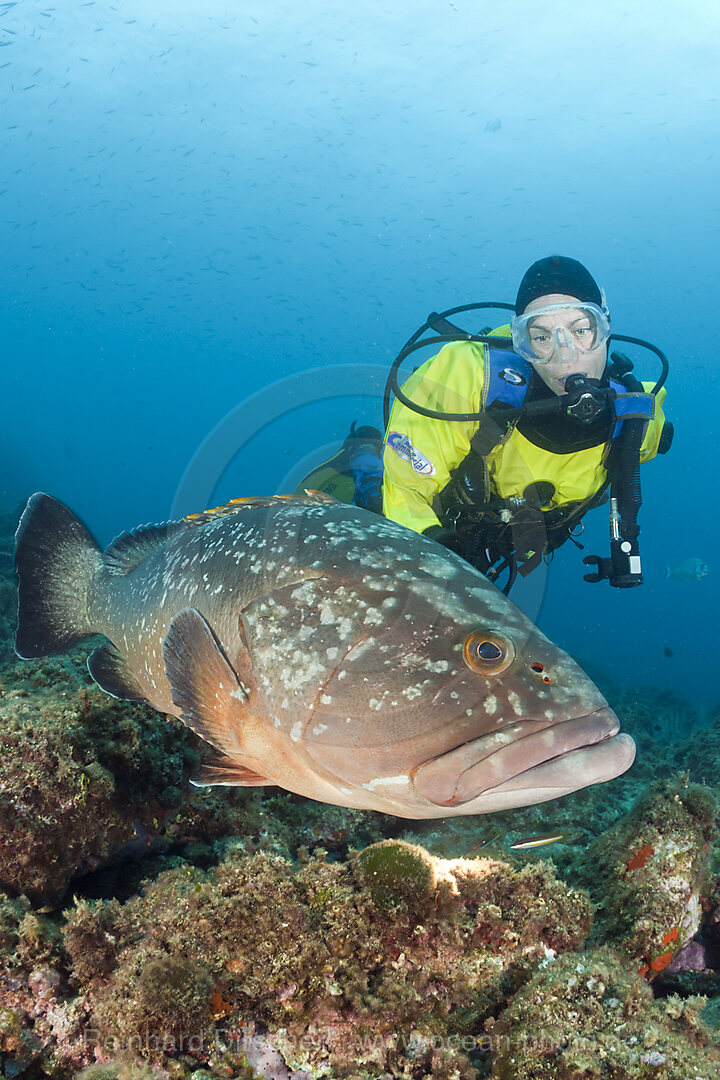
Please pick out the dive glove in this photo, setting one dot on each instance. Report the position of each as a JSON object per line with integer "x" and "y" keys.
{"x": 449, "y": 539}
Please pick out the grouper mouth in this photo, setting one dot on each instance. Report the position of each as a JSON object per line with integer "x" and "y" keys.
{"x": 545, "y": 762}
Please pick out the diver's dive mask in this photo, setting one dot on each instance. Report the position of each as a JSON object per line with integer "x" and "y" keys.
{"x": 551, "y": 332}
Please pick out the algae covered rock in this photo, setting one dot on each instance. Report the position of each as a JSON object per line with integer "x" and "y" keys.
{"x": 306, "y": 957}
{"x": 81, "y": 775}
{"x": 396, "y": 871}
{"x": 650, "y": 875}
{"x": 585, "y": 1015}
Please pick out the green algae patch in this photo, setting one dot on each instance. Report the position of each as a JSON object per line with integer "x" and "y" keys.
{"x": 396, "y": 871}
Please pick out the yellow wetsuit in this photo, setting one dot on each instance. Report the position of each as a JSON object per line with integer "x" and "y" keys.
{"x": 420, "y": 453}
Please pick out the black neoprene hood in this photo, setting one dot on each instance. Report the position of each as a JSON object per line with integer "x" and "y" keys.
{"x": 557, "y": 274}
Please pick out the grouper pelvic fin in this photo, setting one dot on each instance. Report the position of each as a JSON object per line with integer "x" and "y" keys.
{"x": 131, "y": 549}
{"x": 112, "y": 673}
{"x": 224, "y": 771}
{"x": 56, "y": 560}
{"x": 211, "y": 699}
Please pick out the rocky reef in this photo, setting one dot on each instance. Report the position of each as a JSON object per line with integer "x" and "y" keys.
{"x": 152, "y": 929}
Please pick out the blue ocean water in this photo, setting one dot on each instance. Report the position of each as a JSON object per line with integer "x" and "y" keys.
{"x": 201, "y": 201}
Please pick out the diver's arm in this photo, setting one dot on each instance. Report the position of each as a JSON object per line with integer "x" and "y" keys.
{"x": 650, "y": 443}
{"x": 420, "y": 452}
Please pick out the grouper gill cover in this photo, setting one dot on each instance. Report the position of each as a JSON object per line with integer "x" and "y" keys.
{"x": 323, "y": 649}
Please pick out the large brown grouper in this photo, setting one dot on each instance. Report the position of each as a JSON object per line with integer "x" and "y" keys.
{"x": 324, "y": 649}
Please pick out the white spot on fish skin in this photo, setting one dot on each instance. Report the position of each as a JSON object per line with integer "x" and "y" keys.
{"x": 326, "y": 699}
{"x": 515, "y": 703}
{"x": 373, "y": 617}
{"x": 332, "y": 653}
{"x": 372, "y": 784}
{"x": 437, "y": 665}
{"x": 491, "y": 705}
{"x": 438, "y": 567}
{"x": 304, "y": 593}
{"x": 239, "y": 694}
{"x": 319, "y": 728}
{"x": 348, "y": 719}
{"x": 375, "y": 704}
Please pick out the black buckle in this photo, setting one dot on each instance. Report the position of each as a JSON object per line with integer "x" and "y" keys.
{"x": 603, "y": 571}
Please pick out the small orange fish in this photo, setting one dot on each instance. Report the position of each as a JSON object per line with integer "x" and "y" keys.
{"x": 672, "y": 935}
{"x": 641, "y": 857}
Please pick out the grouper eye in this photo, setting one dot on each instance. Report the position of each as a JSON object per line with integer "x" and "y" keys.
{"x": 488, "y": 652}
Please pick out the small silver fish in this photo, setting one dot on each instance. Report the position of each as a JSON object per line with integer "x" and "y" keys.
{"x": 688, "y": 570}
{"x": 324, "y": 649}
{"x": 543, "y": 840}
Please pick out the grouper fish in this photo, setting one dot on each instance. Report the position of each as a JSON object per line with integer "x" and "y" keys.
{"x": 324, "y": 649}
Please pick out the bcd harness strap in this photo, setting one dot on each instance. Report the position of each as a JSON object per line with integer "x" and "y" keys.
{"x": 518, "y": 529}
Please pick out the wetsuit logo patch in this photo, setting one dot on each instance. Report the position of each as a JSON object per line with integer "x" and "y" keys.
{"x": 405, "y": 449}
{"x": 510, "y": 375}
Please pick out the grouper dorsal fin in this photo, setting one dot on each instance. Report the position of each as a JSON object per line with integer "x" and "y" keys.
{"x": 204, "y": 686}
{"x": 130, "y": 549}
{"x": 258, "y": 502}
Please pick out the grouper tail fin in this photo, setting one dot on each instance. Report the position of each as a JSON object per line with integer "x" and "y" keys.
{"x": 56, "y": 559}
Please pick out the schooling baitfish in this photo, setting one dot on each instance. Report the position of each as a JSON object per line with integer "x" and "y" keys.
{"x": 322, "y": 648}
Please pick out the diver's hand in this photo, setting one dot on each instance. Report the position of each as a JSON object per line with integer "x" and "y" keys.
{"x": 449, "y": 539}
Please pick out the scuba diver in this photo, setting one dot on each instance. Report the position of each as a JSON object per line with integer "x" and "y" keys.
{"x": 354, "y": 474}
{"x": 499, "y": 444}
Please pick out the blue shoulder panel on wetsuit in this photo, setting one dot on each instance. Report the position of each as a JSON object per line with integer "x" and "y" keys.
{"x": 630, "y": 406}
{"x": 508, "y": 377}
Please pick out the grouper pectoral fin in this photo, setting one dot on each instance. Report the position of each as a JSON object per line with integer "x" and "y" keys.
{"x": 207, "y": 691}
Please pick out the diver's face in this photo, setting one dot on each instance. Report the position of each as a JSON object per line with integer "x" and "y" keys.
{"x": 561, "y": 333}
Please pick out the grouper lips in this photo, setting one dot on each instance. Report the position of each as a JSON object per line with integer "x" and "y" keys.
{"x": 529, "y": 754}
